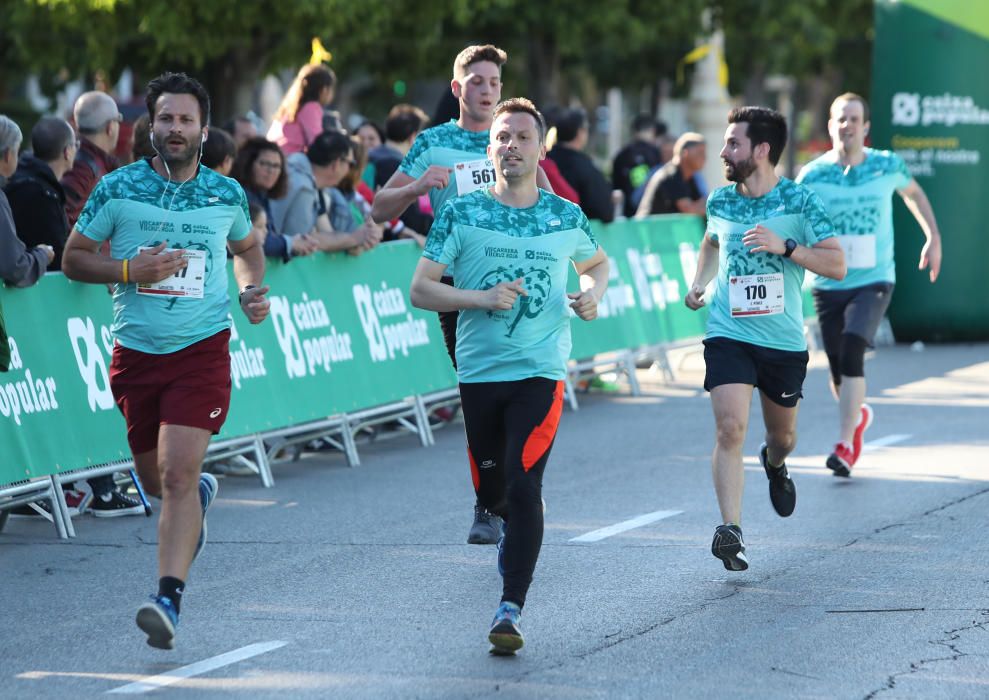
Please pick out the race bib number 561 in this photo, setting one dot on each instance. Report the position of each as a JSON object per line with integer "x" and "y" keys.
{"x": 473, "y": 175}
{"x": 756, "y": 295}
{"x": 187, "y": 282}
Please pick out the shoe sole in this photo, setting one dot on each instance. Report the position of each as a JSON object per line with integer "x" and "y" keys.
{"x": 784, "y": 510}
{"x": 731, "y": 556}
{"x": 154, "y": 623}
{"x": 120, "y": 512}
{"x": 476, "y": 538}
{"x": 505, "y": 643}
{"x": 838, "y": 466}
{"x": 202, "y": 535}
{"x": 860, "y": 430}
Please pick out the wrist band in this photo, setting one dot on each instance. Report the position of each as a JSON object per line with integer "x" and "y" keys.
{"x": 126, "y": 271}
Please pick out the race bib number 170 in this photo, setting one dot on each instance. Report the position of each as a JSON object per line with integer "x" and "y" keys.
{"x": 756, "y": 295}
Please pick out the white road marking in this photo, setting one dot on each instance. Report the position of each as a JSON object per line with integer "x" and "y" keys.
{"x": 626, "y": 525}
{"x": 205, "y": 666}
{"x": 885, "y": 442}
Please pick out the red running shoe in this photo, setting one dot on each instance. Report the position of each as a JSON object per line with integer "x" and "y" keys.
{"x": 865, "y": 420}
{"x": 841, "y": 460}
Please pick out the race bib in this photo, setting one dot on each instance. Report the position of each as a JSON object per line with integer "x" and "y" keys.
{"x": 473, "y": 175}
{"x": 756, "y": 295}
{"x": 188, "y": 282}
{"x": 860, "y": 251}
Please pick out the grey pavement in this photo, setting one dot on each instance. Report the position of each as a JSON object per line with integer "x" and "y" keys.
{"x": 876, "y": 587}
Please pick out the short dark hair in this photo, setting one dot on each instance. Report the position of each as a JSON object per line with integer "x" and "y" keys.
{"x": 763, "y": 125}
{"x": 473, "y": 54}
{"x": 377, "y": 129}
{"x": 218, "y": 147}
{"x": 243, "y": 170}
{"x": 328, "y": 147}
{"x": 403, "y": 121}
{"x": 643, "y": 122}
{"x": 520, "y": 105}
{"x": 852, "y": 97}
{"x": 178, "y": 84}
{"x": 568, "y": 123}
{"x": 49, "y": 137}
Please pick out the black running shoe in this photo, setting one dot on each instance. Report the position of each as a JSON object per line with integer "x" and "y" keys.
{"x": 486, "y": 528}
{"x": 729, "y": 547}
{"x": 782, "y": 492}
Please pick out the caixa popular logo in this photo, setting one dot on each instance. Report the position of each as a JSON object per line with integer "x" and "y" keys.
{"x": 906, "y": 109}
{"x": 90, "y": 360}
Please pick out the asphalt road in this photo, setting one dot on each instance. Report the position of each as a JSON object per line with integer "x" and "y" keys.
{"x": 357, "y": 583}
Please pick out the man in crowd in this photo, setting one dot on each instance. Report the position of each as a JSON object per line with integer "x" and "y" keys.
{"x": 98, "y": 123}
{"x": 632, "y": 164}
{"x": 450, "y": 160}
{"x": 219, "y": 151}
{"x": 762, "y": 233}
{"x": 402, "y": 126}
{"x": 303, "y": 209}
{"x": 170, "y": 372}
{"x": 36, "y": 198}
{"x": 673, "y": 188}
{"x": 511, "y": 383}
{"x": 857, "y": 185}
{"x": 242, "y": 128}
{"x": 577, "y": 167}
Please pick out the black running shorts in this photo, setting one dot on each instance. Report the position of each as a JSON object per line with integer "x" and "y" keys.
{"x": 858, "y": 311}
{"x": 779, "y": 374}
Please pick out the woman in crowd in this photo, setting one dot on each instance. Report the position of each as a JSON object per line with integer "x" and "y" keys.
{"x": 299, "y": 118}
{"x": 260, "y": 170}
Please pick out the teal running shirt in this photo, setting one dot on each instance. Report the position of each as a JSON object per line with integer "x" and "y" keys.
{"x": 491, "y": 243}
{"x": 757, "y": 297}
{"x": 860, "y": 202}
{"x": 134, "y": 207}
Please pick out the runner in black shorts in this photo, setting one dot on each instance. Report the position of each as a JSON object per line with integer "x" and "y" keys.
{"x": 857, "y": 184}
{"x": 512, "y": 245}
{"x": 761, "y": 234}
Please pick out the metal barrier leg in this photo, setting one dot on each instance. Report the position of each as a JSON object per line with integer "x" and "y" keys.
{"x": 422, "y": 421}
{"x": 60, "y": 512}
{"x": 633, "y": 380}
{"x": 261, "y": 459}
{"x": 349, "y": 444}
{"x": 569, "y": 394}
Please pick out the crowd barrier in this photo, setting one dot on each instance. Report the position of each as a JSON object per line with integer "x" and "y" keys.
{"x": 343, "y": 348}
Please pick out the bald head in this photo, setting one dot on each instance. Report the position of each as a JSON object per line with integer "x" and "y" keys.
{"x": 93, "y": 110}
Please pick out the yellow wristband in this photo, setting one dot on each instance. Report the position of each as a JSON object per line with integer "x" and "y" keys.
{"x": 126, "y": 271}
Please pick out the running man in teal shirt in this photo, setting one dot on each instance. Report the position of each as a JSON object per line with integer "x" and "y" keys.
{"x": 449, "y": 161}
{"x": 857, "y": 185}
{"x": 762, "y": 233}
{"x": 170, "y": 221}
{"x": 513, "y": 245}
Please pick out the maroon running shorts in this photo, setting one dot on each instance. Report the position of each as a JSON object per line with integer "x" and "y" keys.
{"x": 189, "y": 387}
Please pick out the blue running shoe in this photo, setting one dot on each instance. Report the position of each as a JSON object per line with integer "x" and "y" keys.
{"x": 506, "y": 634}
{"x": 158, "y": 619}
{"x": 501, "y": 549}
{"x": 207, "y": 492}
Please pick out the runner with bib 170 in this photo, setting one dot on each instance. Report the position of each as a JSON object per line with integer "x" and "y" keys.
{"x": 857, "y": 185}
{"x": 449, "y": 161}
{"x": 513, "y": 245}
{"x": 762, "y": 233}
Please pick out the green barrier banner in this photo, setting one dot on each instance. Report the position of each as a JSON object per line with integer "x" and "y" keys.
{"x": 652, "y": 265}
{"x": 930, "y": 104}
{"x": 341, "y": 336}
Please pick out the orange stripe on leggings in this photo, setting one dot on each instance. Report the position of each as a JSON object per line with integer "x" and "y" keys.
{"x": 474, "y": 474}
{"x": 542, "y": 436}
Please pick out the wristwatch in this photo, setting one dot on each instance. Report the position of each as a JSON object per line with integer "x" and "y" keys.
{"x": 790, "y": 245}
{"x": 240, "y": 297}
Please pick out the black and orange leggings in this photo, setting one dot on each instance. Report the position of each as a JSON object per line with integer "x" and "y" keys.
{"x": 510, "y": 431}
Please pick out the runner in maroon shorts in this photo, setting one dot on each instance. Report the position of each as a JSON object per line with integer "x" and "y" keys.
{"x": 169, "y": 223}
